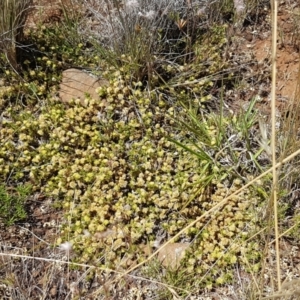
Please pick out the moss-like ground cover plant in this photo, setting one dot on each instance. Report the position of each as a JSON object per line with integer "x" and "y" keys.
{"x": 110, "y": 164}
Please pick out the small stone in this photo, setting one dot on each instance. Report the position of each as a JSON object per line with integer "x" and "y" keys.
{"x": 53, "y": 291}
{"x": 171, "y": 255}
{"x": 76, "y": 84}
{"x": 249, "y": 37}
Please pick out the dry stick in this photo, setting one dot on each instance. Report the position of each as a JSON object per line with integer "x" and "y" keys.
{"x": 273, "y": 138}
{"x": 210, "y": 211}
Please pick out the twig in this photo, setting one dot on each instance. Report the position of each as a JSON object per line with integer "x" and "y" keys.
{"x": 273, "y": 138}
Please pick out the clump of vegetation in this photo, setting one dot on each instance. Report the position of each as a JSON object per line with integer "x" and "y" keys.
{"x": 141, "y": 36}
{"x": 109, "y": 163}
{"x": 222, "y": 240}
{"x": 12, "y": 203}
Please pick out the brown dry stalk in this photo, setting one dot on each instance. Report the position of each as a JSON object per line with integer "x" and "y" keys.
{"x": 273, "y": 136}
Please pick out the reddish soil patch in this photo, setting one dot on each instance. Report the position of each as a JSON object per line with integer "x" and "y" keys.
{"x": 259, "y": 43}
{"x": 287, "y": 56}
{"x": 50, "y": 11}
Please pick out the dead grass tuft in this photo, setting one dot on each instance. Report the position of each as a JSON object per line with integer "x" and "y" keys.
{"x": 13, "y": 14}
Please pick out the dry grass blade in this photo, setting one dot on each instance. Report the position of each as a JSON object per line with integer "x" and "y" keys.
{"x": 90, "y": 267}
{"x": 273, "y": 137}
{"x": 174, "y": 294}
